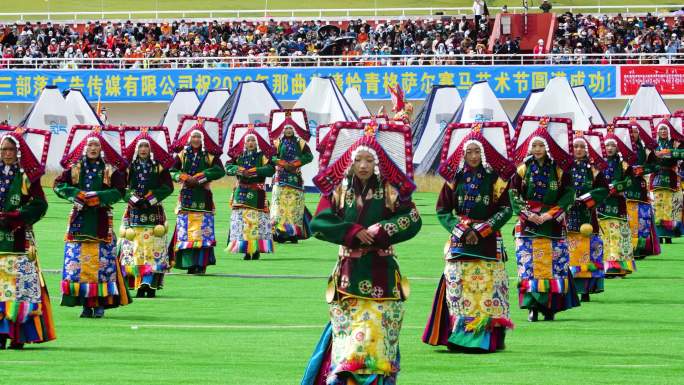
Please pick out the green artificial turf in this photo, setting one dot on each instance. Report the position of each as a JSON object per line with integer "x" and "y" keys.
{"x": 230, "y": 329}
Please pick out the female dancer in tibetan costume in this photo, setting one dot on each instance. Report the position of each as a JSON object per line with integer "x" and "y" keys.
{"x": 288, "y": 212}
{"x": 366, "y": 211}
{"x": 541, "y": 192}
{"x": 584, "y": 240}
{"x": 197, "y": 163}
{"x": 664, "y": 185}
{"x": 143, "y": 246}
{"x": 640, "y": 212}
{"x": 93, "y": 182}
{"x": 618, "y": 259}
{"x": 471, "y": 309}
{"x": 25, "y": 310}
{"x": 250, "y": 225}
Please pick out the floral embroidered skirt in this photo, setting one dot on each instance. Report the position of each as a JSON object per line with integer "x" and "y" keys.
{"x": 471, "y": 308}
{"x": 645, "y": 240}
{"x": 250, "y": 231}
{"x": 25, "y": 310}
{"x": 288, "y": 212}
{"x": 667, "y": 205}
{"x": 586, "y": 262}
{"x": 365, "y": 341}
{"x": 618, "y": 259}
{"x": 92, "y": 275}
{"x": 145, "y": 258}
{"x": 193, "y": 240}
{"x": 544, "y": 279}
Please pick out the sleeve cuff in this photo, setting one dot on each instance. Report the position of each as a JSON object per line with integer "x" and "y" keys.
{"x": 638, "y": 170}
{"x": 587, "y": 200}
{"x": 201, "y": 178}
{"x": 350, "y": 236}
{"x": 555, "y": 212}
{"x": 380, "y": 236}
{"x": 459, "y": 230}
{"x": 151, "y": 199}
{"x": 484, "y": 229}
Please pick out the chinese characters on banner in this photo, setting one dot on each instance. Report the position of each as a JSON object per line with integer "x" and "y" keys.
{"x": 668, "y": 80}
{"x": 508, "y": 82}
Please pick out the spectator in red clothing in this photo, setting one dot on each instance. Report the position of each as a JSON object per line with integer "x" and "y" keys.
{"x": 539, "y": 51}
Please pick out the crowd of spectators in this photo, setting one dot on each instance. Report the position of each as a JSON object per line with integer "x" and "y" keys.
{"x": 617, "y": 39}
{"x": 424, "y": 41}
{"x": 214, "y": 43}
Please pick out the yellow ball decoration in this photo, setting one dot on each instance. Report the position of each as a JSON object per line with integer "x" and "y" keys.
{"x": 586, "y": 229}
{"x": 159, "y": 230}
{"x": 122, "y": 232}
{"x": 130, "y": 234}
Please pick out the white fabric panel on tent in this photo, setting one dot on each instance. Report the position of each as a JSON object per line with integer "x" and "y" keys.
{"x": 529, "y": 103}
{"x": 251, "y": 102}
{"x": 647, "y": 101}
{"x": 482, "y": 105}
{"x": 357, "y": 104}
{"x": 184, "y": 102}
{"x": 81, "y": 108}
{"x": 212, "y": 102}
{"x": 51, "y": 112}
{"x": 558, "y": 100}
{"x": 441, "y": 107}
{"x": 324, "y": 103}
{"x": 587, "y": 105}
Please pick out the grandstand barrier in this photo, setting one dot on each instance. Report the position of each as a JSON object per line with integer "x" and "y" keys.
{"x": 288, "y": 83}
{"x": 313, "y": 12}
{"x": 339, "y": 61}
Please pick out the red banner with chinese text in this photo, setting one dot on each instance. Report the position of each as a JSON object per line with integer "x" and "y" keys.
{"x": 668, "y": 79}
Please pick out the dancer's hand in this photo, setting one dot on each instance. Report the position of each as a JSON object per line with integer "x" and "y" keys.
{"x": 365, "y": 237}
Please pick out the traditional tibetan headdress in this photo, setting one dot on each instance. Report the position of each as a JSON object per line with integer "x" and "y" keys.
{"x": 32, "y": 148}
{"x": 620, "y": 134}
{"x": 390, "y": 144}
{"x": 296, "y": 118}
{"x": 673, "y": 133}
{"x": 110, "y": 138}
{"x": 491, "y": 137}
{"x": 210, "y": 128}
{"x": 596, "y": 149}
{"x": 677, "y": 121}
{"x": 240, "y": 132}
{"x": 645, "y": 125}
{"x": 157, "y": 138}
{"x": 556, "y": 133}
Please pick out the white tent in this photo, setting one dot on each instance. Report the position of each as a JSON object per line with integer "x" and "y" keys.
{"x": 559, "y": 101}
{"x": 428, "y": 128}
{"x": 357, "y": 104}
{"x": 183, "y": 102}
{"x": 647, "y": 101}
{"x": 482, "y": 105}
{"x": 529, "y": 103}
{"x": 212, "y": 102}
{"x": 250, "y": 102}
{"x": 80, "y": 107}
{"x": 51, "y": 112}
{"x": 324, "y": 103}
{"x": 587, "y": 104}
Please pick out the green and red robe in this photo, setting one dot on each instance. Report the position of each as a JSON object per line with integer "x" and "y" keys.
{"x": 545, "y": 281}
{"x": 618, "y": 258}
{"x": 640, "y": 211}
{"x": 25, "y": 310}
{"x": 250, "y": 224}
{"x": 466, "y": 312}
{"x": 144, "y": 257}
{"x": 92, "y": 272}
{"x": 586, "y": 251}
{"x": 289, "y": 215}
{"x": 666, "y": 190}
{"x": 193, "y": 242}
{"x": 367, "y": 294}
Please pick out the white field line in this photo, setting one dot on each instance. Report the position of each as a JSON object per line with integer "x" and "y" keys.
{"x": 237, "y": 326}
